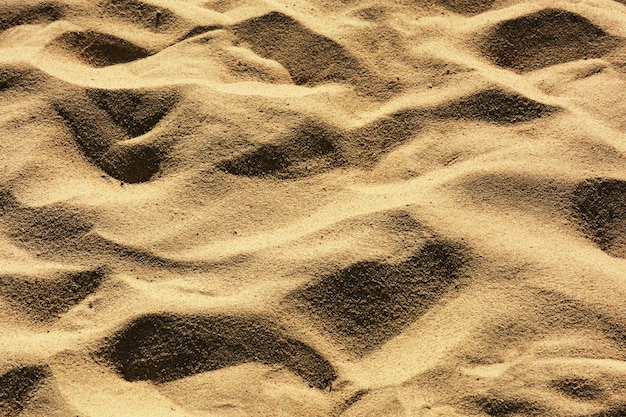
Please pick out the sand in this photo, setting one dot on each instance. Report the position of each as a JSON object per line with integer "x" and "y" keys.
{"x": 312, "y": 208}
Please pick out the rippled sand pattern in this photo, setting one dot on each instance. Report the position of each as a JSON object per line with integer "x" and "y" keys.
{"x": 312, "y": 208}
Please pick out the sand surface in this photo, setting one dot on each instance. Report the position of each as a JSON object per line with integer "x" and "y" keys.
{"x": 312, "y": 208}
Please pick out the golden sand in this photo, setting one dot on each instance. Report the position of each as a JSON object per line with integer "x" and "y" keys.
{"x": 312, "y": 208}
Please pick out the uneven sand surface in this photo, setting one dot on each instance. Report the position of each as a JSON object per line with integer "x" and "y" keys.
{"x": 312, "y": 208}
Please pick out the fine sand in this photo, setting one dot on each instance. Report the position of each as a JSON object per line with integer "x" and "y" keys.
{"x": 312, "y": 208}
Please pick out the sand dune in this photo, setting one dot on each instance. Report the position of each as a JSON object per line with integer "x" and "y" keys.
{"x": 330, "y": 208}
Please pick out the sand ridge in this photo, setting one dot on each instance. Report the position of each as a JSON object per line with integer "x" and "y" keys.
{"x": 315, "y": 208}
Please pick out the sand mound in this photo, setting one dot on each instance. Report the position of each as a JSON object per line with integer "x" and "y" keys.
{"x": 495, "y": 106}
{"x": 467, "y": 7}
{"x": 601, "y": 207}
{"x": 369, "y": 302}
{"x": 144, "y": 15}
{"x": 131, "y": 114}
{"x": 354, "y": 208}
{"x": 307, "y": 150}
{"x": 20, "y": 79}
{"x": 137, "y": 112}
{"x": 29, "y": 14}
{"x": 98, "y": 49}
{"x": 50, "y": 297}
{"x": 545, "y": 38}
{"x": 280, "y": 38}
{"x": 48, "y": 225}
{"x": 162, "y": 348}
{"x": 18, "y": 386}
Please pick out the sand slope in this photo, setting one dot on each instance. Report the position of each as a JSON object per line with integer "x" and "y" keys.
{"x": 331, "y": 208}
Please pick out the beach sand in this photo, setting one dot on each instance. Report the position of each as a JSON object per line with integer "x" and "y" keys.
{"x": 312, "y": 208}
